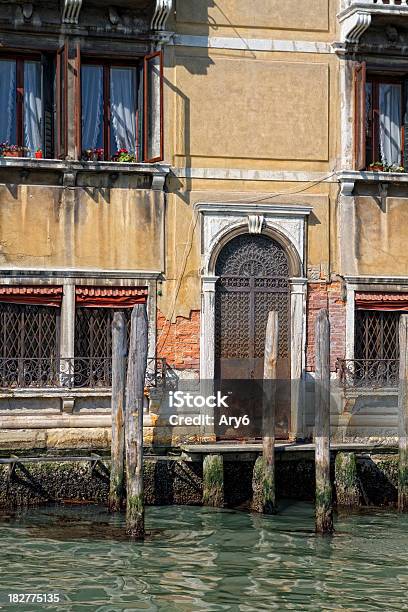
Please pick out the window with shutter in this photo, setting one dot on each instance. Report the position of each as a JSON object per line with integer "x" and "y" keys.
{"x": 62, "y": 102}
{"x": 121, "y": 109}
{"x": 381, "y": 141}
{"x": 153, "y": 107}
{"x": 360, "y": 116}
{"x": 25, "y": 112}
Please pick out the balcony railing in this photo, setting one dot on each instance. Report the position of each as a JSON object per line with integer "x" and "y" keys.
{"x": 368, "y": 373}
{"x": 69, "y": 373}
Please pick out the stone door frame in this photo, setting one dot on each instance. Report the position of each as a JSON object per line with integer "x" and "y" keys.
{"x": 287, "y": 225}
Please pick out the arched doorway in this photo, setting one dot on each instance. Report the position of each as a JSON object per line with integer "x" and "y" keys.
{"x": 253, "y": 279}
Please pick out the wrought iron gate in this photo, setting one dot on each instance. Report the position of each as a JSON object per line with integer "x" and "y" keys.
{"x": 253, "y": 279}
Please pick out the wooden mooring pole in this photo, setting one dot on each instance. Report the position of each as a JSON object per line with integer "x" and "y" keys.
{"x": 137, "y": 363}
{"x": 324, "y": 510}
{"x": 119, "y": 350}
{"x": 263, "y": 483}
{"x": 403, "y": 416}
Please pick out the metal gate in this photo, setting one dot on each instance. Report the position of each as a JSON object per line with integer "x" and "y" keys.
{"x": 253, "y": 279}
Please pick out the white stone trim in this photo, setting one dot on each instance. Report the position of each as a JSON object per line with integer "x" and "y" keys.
{"x": 298, "y": 314}
{"x": 246, "y": 174}
{"x": 15, "y": 275}
{"x": 353, "y": 24}
{"x": 382, "y": 283}
{"x": 350, "y": 322}
{"x": 71, "y": 11}
{"x": 161, "y": 14}
{"x": 252, "y": 44}
{"x": 218, "y": 222}
{"x": 372, "y": 177}
{"x": 221, "y": 219}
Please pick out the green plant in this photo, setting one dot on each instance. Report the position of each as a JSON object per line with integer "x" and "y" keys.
{"x": 386, "y": 167}
{"x": 123, "y": 156}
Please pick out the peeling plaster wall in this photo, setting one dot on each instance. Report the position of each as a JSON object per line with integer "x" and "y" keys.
{"x": 118, "y": 229}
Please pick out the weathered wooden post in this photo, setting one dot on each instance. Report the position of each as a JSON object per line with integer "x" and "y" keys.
{"x": 403, "y": 415}
{"x": 263, "y": 482}
{"x": 324, "y": 511}
{"x": 119, "y": 351}
{"x": 137, "y": 363}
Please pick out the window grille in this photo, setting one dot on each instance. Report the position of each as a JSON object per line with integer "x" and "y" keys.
{"x": 93, "y": 346}
{"x": 376, "y": 335}
{"x": 29, "y": 344}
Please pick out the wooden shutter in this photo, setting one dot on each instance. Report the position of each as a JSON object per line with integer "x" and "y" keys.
{"x": 405, "y": 124}
{"x": 48, "y": 65}
{"x": 62, "y": 102}
{"x": 153, "y": 107}
{"x": 78, "y": 101}
{"x": 360, "y": 116}
{"x": 139, "y": 118}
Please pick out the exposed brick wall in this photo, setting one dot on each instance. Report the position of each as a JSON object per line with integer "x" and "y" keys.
{"x": 321, "y": 295}
{"x": 179, "y": 342}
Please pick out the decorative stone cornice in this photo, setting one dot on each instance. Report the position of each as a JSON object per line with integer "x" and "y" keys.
{"x": 71, "y": 11}
{"x": 161, "y": 14}
{"x": 353, "y": 24}
{"x": 356, "y": 16}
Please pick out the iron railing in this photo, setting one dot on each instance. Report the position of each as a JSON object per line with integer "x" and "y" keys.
{"x": 69, "y": 372}
{"x": 368, "y": 373}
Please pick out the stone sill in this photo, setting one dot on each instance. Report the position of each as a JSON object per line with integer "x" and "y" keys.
{"x": 385, "y": 392}
{"x": 42, "y": 393}
{"x": 157, "y": 171}
{"x": 365, "y": 176}
{"x": 377, "y": 8}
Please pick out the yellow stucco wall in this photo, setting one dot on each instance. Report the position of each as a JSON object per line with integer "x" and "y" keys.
{"x": 239, "y": 109}
{"x": 52, "y": 227}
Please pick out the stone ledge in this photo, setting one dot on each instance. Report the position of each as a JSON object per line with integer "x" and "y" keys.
{"x": 70, "y": 169}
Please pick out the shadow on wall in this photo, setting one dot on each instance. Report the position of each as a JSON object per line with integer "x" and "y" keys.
{"x": 191, "y": 13}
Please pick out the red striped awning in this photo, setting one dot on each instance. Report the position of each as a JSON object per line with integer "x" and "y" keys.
{"x": 381, "y": 301}
{"x": 110, "y": 297}
{"x": 41, "y": 295}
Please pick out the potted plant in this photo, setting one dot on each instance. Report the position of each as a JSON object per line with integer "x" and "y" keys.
{"x": 123, "y": 156}
{"x": 12, "y": 150}
{"x": 95, "y": 154}
{"x": 38, "y": 154}
{"x": 377, "y": 167}
{"x": 395, "y": 168}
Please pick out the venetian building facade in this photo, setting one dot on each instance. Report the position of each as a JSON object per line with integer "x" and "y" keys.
{"x": 216, "y": 161}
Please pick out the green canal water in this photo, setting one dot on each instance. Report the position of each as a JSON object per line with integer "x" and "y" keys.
{"x": 199, "y": 559}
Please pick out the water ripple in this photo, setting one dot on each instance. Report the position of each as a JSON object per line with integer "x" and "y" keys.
{"x": 204, "y": 560}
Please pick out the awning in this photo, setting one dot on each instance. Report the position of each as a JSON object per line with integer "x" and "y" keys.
{"x": 110, "y": 297}
{"x": 40, "y": 295}
{"x": 381, "y": 301}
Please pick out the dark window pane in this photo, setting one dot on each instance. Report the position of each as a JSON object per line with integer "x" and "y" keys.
{"x": 8, "y": 131}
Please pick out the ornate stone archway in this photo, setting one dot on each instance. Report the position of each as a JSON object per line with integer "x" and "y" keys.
{"x": 287, "y": 226}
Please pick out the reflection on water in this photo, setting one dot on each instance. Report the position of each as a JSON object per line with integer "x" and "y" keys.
{"x": 200, "y": 559}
